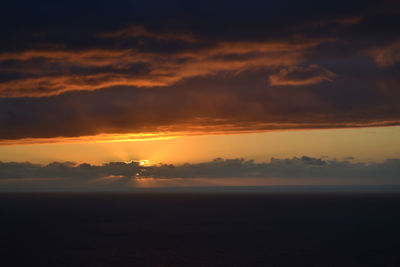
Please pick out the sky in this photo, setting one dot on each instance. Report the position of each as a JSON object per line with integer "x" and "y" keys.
{"x": 175, "y": 82}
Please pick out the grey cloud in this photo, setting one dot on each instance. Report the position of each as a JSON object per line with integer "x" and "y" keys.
{"x": 68, "y": 170}
{"x": 290, "y": 168}
{"x": 122, "y": 175}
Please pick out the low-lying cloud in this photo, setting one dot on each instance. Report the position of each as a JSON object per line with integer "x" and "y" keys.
{"x": 121, "y": 175}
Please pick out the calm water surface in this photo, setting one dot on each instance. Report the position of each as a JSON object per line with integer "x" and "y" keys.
{"x": 200, "y": 229}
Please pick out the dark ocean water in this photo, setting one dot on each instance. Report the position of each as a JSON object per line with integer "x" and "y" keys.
{"x": 200, "y": 229}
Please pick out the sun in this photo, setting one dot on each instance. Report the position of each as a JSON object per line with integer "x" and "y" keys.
{"x": 144, "y": 162}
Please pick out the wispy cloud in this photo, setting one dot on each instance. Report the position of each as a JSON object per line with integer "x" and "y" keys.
{"x": 39, "y": 73}
{"x": 297, "y": 76}
{"x": 386, "y": 55}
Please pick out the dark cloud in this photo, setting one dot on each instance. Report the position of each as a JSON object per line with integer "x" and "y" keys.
{"x": 71, "y": 69}
{"x": 66, "y": 170}
{"x": 121, "y": 175}
{"x": 243, "y": 102}
{"x": 25, "y": 73}
{"x": 304, "y": 167}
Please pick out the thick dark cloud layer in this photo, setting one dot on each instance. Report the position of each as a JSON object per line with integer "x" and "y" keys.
{"x": 119, "y": 175}
{"x": 70, "y": 69}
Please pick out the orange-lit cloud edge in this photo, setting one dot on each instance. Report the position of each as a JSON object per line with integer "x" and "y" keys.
{"x": 163, "y": 72}
{"x": 194, "y": 131}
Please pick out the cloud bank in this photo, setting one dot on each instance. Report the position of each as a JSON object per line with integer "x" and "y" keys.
{"x": 124, "y": 176}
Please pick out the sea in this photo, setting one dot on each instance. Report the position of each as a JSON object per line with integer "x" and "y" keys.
{"x": 201, "y": 228}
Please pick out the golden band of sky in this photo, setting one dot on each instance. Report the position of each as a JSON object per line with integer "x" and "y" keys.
{"x": 364, "y": 144}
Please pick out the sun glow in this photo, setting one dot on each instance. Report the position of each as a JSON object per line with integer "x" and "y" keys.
{"x": 99, "y": 138}
{"x": 364, "y": 144}
{"x": 144, "y": 162}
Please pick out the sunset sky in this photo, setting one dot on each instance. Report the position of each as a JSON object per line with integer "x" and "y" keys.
{"x": 308, "y": 83}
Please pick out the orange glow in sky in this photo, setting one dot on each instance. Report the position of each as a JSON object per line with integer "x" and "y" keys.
{"x": 364, "y": 144}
